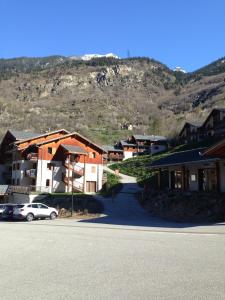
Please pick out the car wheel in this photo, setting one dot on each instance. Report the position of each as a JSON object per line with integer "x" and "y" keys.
{"x": 53, "y": 216}
{"x": 30, "y": 217}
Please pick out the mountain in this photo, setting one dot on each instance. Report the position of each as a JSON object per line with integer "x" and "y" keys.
{"x": 100, "y": 96}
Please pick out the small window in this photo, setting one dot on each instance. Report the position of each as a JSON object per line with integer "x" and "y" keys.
{"x": 50, "y": 166}
{"x": 17, "y": 166}
{"x": 34, "y": 205}
{"x": 14, "y": 166}
{"x": 13, "y": 181}
{"x": 47, "y": 182}
{"x": 92, "y": 155}
{"x": 17, "y": 181}
{"x": 93, "y": 169}
{"x": 50, "y": 150}
{"x": 42, "y": 206}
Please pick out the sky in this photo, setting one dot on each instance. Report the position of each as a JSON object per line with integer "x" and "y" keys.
{"x": 185, "y": 33}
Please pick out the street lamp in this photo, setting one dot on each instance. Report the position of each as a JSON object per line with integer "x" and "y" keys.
{"x": 72, "y": 190}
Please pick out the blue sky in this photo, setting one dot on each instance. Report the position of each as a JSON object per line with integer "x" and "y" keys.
{"x": 186, "y": 33}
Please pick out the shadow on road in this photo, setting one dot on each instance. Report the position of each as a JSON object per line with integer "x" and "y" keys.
{"x": 125, "y": 209}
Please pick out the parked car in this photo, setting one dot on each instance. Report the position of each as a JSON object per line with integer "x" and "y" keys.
{"x": 6, "y": 211}
{"x": 31, "y": 211}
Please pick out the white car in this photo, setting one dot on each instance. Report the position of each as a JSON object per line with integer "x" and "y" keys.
{"x": 31, "y": 211}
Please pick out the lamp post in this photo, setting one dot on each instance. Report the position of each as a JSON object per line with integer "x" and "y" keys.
{"x": 72, "y": 191}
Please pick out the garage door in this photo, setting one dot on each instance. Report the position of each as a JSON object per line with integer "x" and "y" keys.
{"x": 91, "y": 186}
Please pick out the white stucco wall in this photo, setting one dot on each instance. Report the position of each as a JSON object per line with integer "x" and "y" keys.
{"x": 127, "y": 154}
{"x": 93, "y": 172}
{"x": 21, "y": 173}
{"x": 54, "y": 176}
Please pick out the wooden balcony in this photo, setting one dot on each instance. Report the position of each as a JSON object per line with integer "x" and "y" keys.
{"x": 77, "y": 186}
{"x": 79, "y": 171}
{"x": 115, "y": 157}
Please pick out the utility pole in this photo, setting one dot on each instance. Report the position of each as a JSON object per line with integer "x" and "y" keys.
{"x": 72, "y": 191}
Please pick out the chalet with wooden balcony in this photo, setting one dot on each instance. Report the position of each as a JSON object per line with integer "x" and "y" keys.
{"x": 6, "y": 147}
{"x": 189, "y": 133}
{"x": 114, "y": 153}
{"x": 213, "y": 127}
{"x": 58, "y": 162}
{"x": 150, "y": 143}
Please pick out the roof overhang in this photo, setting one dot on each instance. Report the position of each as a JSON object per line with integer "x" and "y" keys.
{"x": 74, "y": 149}
{"x": 203, "y": 161}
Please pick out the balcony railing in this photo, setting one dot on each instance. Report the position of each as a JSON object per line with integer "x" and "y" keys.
{"x": 115, "y": 157}
{"x": 77, "y": 186}
{"x": 78, "y": 170}
{"x": 32, "y": 156}
{"x": 20, "y": 189}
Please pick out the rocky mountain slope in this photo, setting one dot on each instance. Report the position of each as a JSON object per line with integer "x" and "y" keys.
{"x": 100, "y": 97}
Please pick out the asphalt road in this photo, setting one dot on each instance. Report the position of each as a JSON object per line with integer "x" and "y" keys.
{"x": 66, "y": 259}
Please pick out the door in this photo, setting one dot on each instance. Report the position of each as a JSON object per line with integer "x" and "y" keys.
{"x": 91, "y": 186}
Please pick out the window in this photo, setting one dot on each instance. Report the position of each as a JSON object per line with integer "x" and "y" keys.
{"x": 50, "y": 166}
{"x": 17, "y": 181}
{"x": 13, "y": 181}
{"x": 42, "y": 206}
{"x": 93, "y": 169}
{"x": 34, "y": 205}
{"x": 50, "y": 150}
{"x": 34, "y": 165}
{"x": 14, "y": 167}
{"x": 92, "y": 154}
{"x": 178, "y": 179}
{"x": 47, "y": 182}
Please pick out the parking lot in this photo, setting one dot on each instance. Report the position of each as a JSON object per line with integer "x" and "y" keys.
{"x": 66, "y": 259}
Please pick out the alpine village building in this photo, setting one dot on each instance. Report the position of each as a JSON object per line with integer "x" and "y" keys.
{"x": 198, "y": 169}
{"x": 136, "y": 145}
{"x": 56, "y": 161}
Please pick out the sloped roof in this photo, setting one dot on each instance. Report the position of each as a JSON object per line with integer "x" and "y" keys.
{"x": 69, "y": 135}
{"x": 153, "y": 138}
{"x": 125, "y": 143}
{"x": 112, "y": 148}
{"x": 39, "y": 135}
{"x": 194, "y": 124}
{"x": 212, "y": 111}
{"x": 183, "y": 157}
{"x": 74, "y": 149}
{"x": 21, "y": 135}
